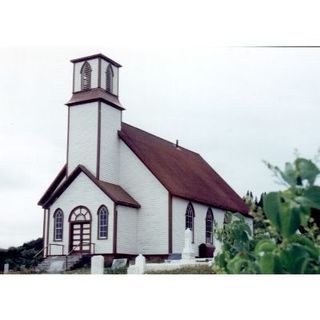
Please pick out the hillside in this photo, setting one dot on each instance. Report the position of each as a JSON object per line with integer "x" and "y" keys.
{"x": 22, "y": 256}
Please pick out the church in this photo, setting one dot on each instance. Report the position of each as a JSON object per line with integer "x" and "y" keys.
{"x": 124, "y": 191}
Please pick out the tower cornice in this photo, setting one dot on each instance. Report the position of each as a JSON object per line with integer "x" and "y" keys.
{"x": 92, "y": 95}
{"x": 95, "y": 56}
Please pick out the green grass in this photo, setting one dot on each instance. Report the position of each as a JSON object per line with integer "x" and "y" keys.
{"x": 186, "y": 270}
{"x": 106, "y": 271}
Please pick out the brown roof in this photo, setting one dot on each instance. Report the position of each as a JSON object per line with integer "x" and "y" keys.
{"x": 182, "y": 172}
{"x": 96, "y": 94}
{"x": 53, "y": 186}
{"x": 113, "y": 191}
{"x": 94, "y": 56}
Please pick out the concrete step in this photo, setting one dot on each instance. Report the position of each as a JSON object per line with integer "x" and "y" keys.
{"x": 60, "y": 261}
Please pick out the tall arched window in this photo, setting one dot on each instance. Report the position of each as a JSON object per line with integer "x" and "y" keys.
{"x": 58, "y": 225}
{"x": 190, "y": 219}
{"x": 103, "y": 216}
{"x": 109, "y": 78}
{"x": 85, "y": 76}
{"x": 209, "y": 226}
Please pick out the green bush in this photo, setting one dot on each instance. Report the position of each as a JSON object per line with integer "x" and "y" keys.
{"x": 287, "y": 240}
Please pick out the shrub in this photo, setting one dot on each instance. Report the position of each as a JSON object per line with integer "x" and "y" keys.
{"x": 287, "y": 240}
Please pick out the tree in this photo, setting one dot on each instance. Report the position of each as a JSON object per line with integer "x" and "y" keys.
{"x": 286, "y": 238}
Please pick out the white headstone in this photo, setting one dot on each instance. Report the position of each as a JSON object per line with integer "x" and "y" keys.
{"x": 119, "y": 263}
{"x": 140, "y": 264}
{"x": 188, "y": 252}
{"x": 6, "y": 268}
{"x": 97, "y": 265}
{"x": 132, "y": 269}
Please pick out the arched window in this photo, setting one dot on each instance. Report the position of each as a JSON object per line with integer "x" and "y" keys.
{"x": 190, "y": 219}
{"x": 209, "y": 226}
{"x": 86, "y": 76}
{"x": 80, "y": 214}
{"x": 58, "y": 225}
{"x": 109, "y": 78}
{"x": 103, "y": 216}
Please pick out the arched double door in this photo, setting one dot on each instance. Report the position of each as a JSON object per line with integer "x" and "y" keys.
{"x": 80, "y": 231}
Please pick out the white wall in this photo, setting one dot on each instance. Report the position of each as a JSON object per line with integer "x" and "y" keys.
{"x": 110, "y": 144}
{"x": 83, "y": 136}
{"x": 179, "y": 207}
{"x": 45, "y": 235}
{"x": 83, "y": 192}
{"x": 94, "y": 74}
{"x": 127, "y": 230}
{"x": 137, "y": 180}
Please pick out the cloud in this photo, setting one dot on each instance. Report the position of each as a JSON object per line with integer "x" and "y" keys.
{"x": 235, "y": 107}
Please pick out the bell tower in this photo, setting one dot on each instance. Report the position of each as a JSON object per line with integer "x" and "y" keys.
{"x": 94, "y": 117}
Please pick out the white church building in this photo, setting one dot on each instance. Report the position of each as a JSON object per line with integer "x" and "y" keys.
{"x": 124, "y": 191}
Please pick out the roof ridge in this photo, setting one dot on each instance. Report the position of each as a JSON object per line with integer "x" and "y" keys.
{"x": 164, "y": 140}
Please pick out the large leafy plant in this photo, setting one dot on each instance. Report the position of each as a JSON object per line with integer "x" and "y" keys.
{"x": 287, "y": 240}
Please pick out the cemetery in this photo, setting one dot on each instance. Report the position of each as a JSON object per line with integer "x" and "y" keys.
{"x": 187, "y": 262}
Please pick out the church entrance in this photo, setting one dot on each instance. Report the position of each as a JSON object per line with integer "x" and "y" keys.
{"x": 80, "y": 231}
{"x": 80, "y": 241}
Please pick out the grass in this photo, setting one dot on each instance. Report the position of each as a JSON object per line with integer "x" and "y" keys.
{"x": 106, "y": 271}
{"x": 186, "y": 270}
{"x": 183, "y": 270}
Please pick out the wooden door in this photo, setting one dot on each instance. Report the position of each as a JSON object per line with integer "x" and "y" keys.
{"x": 80, "y": 237}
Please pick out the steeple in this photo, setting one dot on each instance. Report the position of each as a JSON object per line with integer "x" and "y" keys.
{"x": 95, "y": 77}
{"x": 94, "y": 117}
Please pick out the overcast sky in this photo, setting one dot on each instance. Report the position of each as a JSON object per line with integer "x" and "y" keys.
{"x": 234, "y": 106}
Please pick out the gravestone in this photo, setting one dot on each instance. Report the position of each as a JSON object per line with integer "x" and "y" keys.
{"x": 6, "y": 268}
{"x": 119, "y": 263}
{"x": 97, "y": 265}
{"x": 174, "y": 256}
{"x": 140, "y": 263}
{"x": 206, "y": 250}
{"x": 188, "y": 252}
{"x": 139, "y": 266}
{"x": 23, "y": 268}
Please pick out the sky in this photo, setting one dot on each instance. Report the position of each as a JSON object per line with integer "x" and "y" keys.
{"x": 234, "y": 106}
{"x": 182, "y": 78}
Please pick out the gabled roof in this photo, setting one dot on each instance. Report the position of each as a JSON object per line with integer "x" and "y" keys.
{"x": 53, "y": 186}
{"x": 182, "y": 172}
{"x": 113, "y": 191}
{"x": 96, "y": 94}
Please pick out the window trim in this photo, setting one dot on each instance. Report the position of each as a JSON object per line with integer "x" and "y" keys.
{"x": 73, "y": 212}
{"x": 211, "y": 216}
{"x": 56, "y": 213}
{"x": 107, "y": 223}
{"x": 190, "y": 209}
